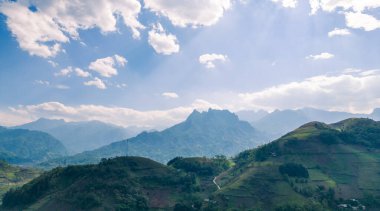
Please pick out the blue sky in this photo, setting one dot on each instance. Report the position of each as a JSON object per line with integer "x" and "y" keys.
{"x": 256, "y": 55}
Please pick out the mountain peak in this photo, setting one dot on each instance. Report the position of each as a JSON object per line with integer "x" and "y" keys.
{"x": 212, "y": 115}
{"x": 46, "y": 120}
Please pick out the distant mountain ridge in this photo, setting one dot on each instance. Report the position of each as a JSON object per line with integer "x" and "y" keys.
{"x": 279, "y": 122}
{"x": 82, "y": 136}
{"x": 20, "y": 146}
{"x": 210, "y": 133}
{"x": 318, "y": 167}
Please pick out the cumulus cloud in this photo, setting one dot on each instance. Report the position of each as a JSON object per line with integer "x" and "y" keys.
{"x": 190, "y": 12}
{"x": 321, "y": 56}
{"x": 41, "y": 32}
{"x": 359, "y": 20}
{"x": 353, "y": 11}
{"x": 171, "y": 95}
{"x": 209, "y": 59}
{"x": 64, "y": 72}
{"x": 106, "y": 67}
{"x": 97, "y": 82}
{"x": 33, "y": 30}
{"x": 287, "y": 3}
{"x": 339, "y": 32}
{"x": 162, "y": 42}
{"x": 157, "y": 119}
{"x": 81, "y": 73}
{"x": 358, "y": 92}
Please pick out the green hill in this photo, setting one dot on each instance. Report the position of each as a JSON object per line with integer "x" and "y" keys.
{"x": 14, "y": 176}
{"x": 341, "y": 161}
{"x": 207, "y": 134}
{"x": 18, "y": 146}
{"x": 123, "y": 183}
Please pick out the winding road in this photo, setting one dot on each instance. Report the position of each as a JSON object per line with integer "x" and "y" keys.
{"x": 214, "y": 181}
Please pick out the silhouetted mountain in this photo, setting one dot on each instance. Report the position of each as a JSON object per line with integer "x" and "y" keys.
{"x": 82, "y": 136}
{"x": 280, "y": 122}
{"x": 24, "y": 146}
{"x": 202, "y": 134}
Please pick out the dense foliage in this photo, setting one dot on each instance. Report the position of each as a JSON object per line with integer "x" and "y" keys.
{"x": 123, "y": 183}
{"x": 293, "y": 170}
{"x": 201, "y": 166}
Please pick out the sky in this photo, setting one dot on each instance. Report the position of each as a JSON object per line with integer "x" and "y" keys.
{"x": 151, "y": 62}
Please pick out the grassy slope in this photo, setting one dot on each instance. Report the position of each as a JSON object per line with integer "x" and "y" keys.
{"x": 119, "y": 183}
{"x": 13, "y": 176}
{"x": 350, "y": 169}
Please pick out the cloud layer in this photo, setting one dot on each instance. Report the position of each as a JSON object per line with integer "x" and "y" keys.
{"x": 41, "y": 32}
{"x": 190, "y": 12}
{"x": 158, "y": 119}
{"x": 356, "y": 92}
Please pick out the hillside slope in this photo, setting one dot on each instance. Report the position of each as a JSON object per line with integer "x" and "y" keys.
{"x": 317, "y": 167}
{"x": 123, "y": 183}
{"x": 210, "y": 133}
{"x": 82, "y": 136}
{"x": 14, "y": 176}
{"x": 20, "y": 146}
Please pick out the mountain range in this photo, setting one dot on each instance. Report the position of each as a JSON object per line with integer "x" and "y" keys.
{"x": 215, "y": 132}
{"x": 277, "y": 123}
{"x": 315, "y": 167}
{"x": 82, "y": 136}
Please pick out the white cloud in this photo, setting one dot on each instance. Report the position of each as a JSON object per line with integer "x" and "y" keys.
{"x": 41, "y": 32}
{"x": 81, "y": 73}
{"x": 332, "y": 5}
{"x": 33, "y": 30}
{"x": 358, "y": 93}
{"x": 321, "y": 56}
{"x": 209, "y": 59}
{"x": 359, "y": 20}
{"x": 353, "y": 11}
{"x": 162, "y": 42}
{"x": 106, "y": 67}
{"x": 64, "y": 72}
{"x": 158, "y": 119}
{"x": 41, "y": 82}
{"x": 53, "y": 64}
{"x": 120, "y": 60}
{"x": 121, "y": 86}
{"x": 287, "y": 3}
{"x": 97, "y": 82}
{"x": 172, "y": 95}
{"x": 190, "y": 12}
{"x": 61, "y": 86}
{"x": 339, "y": 32}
